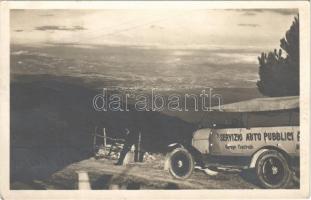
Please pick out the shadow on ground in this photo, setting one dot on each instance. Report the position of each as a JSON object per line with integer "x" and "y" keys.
{"x": 52, "y": 125}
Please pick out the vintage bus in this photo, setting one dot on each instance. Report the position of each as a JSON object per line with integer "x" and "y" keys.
{"x": 260, "y": 134}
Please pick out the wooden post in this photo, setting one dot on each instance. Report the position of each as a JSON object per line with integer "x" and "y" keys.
{"x": 94, "y": 141}
{"x": 84, "y": 182}
{"x": 139, "y": 147}
{"x": 105, "y": 137}
{"x": 114, "y": 187}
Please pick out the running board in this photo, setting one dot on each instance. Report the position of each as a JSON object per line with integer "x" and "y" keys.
{"x": 223, "y": 167}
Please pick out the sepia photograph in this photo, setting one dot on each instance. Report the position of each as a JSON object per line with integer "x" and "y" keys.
{"x": 183, "y": 98}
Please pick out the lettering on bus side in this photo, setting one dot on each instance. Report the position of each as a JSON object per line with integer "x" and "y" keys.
{"x": 279, "y": 136}
{"x": 253, "y": 137}
{"x": 230, "y": 137}
{"x": 266, "y": 136}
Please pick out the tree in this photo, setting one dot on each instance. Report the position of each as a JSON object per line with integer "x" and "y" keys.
{"x": 279, "y": 76}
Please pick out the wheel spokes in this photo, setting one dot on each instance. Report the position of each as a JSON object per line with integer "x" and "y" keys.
{"x": 271, "y": 162}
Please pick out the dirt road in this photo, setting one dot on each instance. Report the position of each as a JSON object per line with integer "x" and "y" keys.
{"x": 103, "y": 174}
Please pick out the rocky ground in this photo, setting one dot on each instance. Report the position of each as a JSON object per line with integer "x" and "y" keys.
{"x": 103, "y": 174}
{"x": 148, "y": 175}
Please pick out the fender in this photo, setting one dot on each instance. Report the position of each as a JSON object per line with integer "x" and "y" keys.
{"x": 255, "y": 157}
{"x": 196, "y": 154}
{"x": 174, "y": 146}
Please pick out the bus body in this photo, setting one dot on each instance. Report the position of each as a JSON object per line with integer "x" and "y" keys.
{"x": 261, "y": 134}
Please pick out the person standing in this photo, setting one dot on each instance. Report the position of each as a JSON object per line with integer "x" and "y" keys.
{"x": 131, "y": 138}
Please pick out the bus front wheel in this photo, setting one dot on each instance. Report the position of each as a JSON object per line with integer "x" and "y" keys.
{"x": 180, "y": 163}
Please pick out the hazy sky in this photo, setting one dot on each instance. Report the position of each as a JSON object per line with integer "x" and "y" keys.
{"x": 165, "y": 28}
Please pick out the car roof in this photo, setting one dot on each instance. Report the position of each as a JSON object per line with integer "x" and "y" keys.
{"x": 261, "y": 104}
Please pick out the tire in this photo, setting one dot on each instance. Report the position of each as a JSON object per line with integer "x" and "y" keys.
{"x": 272, "y": 170}
{"x": 296, "y": 177}
{"x": 180, "y": 163}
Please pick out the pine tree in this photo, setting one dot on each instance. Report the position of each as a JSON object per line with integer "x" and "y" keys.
{"x": 279, "y": 76}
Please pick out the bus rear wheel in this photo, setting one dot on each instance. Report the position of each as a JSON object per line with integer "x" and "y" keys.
{"x": 272, "y": 170}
